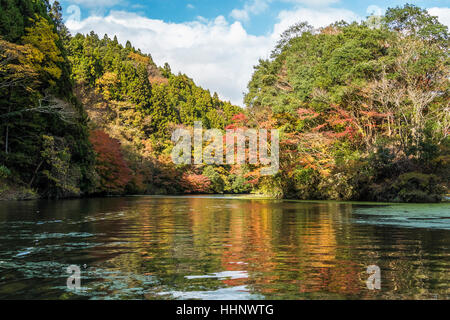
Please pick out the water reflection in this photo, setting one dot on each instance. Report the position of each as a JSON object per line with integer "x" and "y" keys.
{"x": 220, "y": 248}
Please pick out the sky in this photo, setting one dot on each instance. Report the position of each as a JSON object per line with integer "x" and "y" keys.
{"x": 217, "y": 42}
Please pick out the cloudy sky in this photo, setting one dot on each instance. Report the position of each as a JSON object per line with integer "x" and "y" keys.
{"x": 217, "y": 42}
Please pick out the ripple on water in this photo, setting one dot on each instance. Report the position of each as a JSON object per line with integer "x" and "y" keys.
{"x": 231, "y": 293}
{"x": 213, "y": 248}
{"x": 232, "y": 275}
{"x": 427, "y": 216}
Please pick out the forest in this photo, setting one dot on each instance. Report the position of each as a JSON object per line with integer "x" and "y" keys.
{"x": 362, "y": 110}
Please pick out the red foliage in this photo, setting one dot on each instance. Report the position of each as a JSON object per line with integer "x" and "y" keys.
{"x": 239, "y": 118}
{"x": 231, "y": 127}
{"x": 253, "y": 177}
{"x": 319, "y": 127}
{"x": 374, "y": 114}
{"x": 306, "y": 114}
{"x": 110, "y": 165}
{"x": 239, "y": 121}
{"x": 195, "y": 183}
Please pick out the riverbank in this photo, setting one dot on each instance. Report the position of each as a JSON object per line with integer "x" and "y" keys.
{"x": 10, "y": 192}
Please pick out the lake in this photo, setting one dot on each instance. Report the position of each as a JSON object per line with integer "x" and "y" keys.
{"x": 220, "y": 247}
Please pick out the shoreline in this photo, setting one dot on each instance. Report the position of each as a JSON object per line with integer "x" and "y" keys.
{"x": 36, "y": 197}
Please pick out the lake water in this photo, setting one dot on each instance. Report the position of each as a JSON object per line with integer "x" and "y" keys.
{"x": 223, "y": 248}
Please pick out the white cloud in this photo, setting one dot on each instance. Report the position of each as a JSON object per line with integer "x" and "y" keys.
{"x": 190, "y": 6}
{"x": 375, "y": 10}
{"x": 217, "y": 54}
{"x": 253, "y": 7}
{"x": 238, "y": 14}
{"x": 316, "y": 17}
{"x": 443, "y": 15}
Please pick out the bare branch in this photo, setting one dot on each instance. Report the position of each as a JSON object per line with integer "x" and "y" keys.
{"x": 49, "y": 105}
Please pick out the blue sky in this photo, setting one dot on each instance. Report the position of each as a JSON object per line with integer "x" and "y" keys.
{"x": 217, "y": 43}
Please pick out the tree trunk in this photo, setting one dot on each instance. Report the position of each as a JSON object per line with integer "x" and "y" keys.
{"x": 35, "y": 173}
{"x": 6, "y": 139}
{"x": 7, "y": 124}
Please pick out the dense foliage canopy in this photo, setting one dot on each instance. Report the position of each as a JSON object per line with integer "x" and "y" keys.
{"x": 43, "y": 129}
{"x": 133, "y": 106}
{"x": 362, "y": 108}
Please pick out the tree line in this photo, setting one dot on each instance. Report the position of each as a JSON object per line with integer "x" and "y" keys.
{"x": 362, "y": 110}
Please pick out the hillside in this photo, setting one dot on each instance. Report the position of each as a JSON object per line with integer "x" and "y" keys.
{"x": 82, "y": 115}
{"x": 138, "y": 104}
{"x": 44, "y": 146}
{"x": 363, "y": 108}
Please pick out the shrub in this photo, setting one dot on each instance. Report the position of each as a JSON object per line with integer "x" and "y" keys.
{"x": 111, "y": 166}
{"x": 272, "y": 186}
{"x": 217, "y": 182}
{"x": 4, "y": 172}
{"x": 418, "y": 187}
{"x": 237, "y": 184}
{"x": 306, "y": 182}
{"x": 196, "y": 183}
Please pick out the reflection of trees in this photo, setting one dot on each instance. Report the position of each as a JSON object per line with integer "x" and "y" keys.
{"x": 414, "y": 263}
{"x": 289, "y": 250}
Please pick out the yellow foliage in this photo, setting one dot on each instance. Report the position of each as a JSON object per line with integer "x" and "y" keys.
{"x": 14, "y": 66}
{"x": 139, "y": 58}
{"x": 106, "y": 83}
{"x": 42, "y": 52}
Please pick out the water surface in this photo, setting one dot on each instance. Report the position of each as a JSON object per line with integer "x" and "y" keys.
{"x": 223, "y": 248}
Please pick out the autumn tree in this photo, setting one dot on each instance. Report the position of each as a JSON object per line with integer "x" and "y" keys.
{"x": 110, "y": 165}
{"x": 357, "y": 106}
{"x": 36, "y": 101}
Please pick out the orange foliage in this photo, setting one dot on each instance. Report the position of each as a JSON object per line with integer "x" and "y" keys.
{"x": 195, "y": 183}
{"x": 306, "y": 114}
{"x": 139, "y": 58}
{"x": 110, "y": 165}
{"x": 240, "y": 118}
